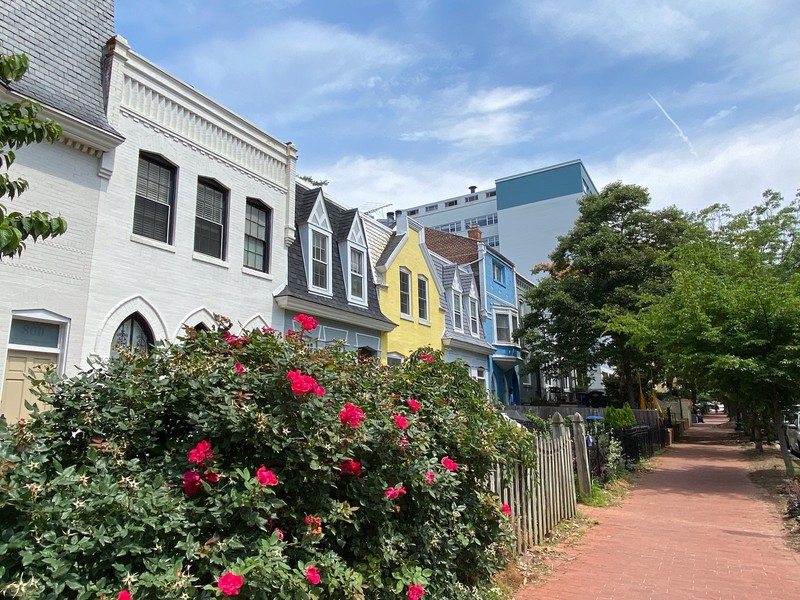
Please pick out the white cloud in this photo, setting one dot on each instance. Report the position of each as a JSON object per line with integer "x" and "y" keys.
{"x": 294, "y": 70}
{"x": 360, "y": 180}
{"x": 626, "y": 27}
{"x": 726, "y": 112}
{"x": 486, "y": 117}
{"x": 736, "y": 167}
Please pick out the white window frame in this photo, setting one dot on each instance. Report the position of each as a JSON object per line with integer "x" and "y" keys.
{"x": 357, "y": 270}
{"x": 394, "y": 359}
{"x": 49, "y": 318}
{"x": 498, "y": 272}
{"x": 422, "y": 299}
{"x": 474, "y": 324}
{"x": 512, "y": 325}
{"x": 458, "y": 311}
{"x": 326, "y": 238}
{"x": 408, "y": 293}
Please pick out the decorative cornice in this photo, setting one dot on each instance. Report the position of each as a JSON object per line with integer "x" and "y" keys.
{"x": 204, "y": 151}
{"x": 335, "y": 314}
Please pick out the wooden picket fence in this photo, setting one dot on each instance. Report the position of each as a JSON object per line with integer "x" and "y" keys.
{"x": 542, "y": 497}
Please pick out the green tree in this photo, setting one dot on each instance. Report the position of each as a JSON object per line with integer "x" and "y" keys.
{"x": 732, "y": 317}
{"x": 598, "y": 271}
{"x": 19, "y": 127}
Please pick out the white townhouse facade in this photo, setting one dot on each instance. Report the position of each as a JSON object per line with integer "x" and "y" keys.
{"x": 177, "y": 208}
{"x": 198, "y": 217}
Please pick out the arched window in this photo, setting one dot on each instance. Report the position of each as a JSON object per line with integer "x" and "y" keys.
{"x": 201, "y": 327}
{"x": 133, "y": 333}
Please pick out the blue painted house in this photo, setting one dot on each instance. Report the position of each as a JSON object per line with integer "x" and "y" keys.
{"x": 497, "y": 294}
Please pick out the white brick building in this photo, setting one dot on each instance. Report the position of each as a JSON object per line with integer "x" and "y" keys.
{"x": 176, "y": 207}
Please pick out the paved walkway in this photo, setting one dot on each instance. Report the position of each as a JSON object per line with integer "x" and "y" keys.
{"x": 692, "y": 528}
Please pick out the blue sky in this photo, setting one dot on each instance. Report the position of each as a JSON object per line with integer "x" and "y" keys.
{"x": 409, "y": 101}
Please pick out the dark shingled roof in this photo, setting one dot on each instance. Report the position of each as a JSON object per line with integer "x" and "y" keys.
{"x": 446, "y": 272}
{"x": 65, "y": 44}
{"x": 393, "y": 242}
{"x": 297, "y": 285}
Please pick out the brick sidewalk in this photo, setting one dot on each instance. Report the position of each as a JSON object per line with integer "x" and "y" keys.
{"x": 692, "y": 528}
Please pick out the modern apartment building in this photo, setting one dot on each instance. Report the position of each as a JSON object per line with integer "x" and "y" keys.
{"x": 522, "y": 216}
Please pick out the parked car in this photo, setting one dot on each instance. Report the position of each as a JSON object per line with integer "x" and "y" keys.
{"x": 791, "y": 426}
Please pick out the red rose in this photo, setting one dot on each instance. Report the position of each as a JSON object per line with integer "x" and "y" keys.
{"x": 239, "y": 368}
{"x": 312, "y": 575}
{"x": 506, "y": 509}
{"x": 266, "y": 477}
{"x": 426, "y": 357}
{"x": 413, "y": 405}
{"x": 191, "y": 483}
{"x": 449, "y": 464}
{"x": 400, "y": 421}
{"x": 230, "y": 583}
{"x": 415, "y": 592}
{"x": 351, "y": 467}
{"x": 210, "y": 477}
{"x": 429, "y": 476}
{"x": 306, "y": 322}
{"x": 201, "y": 453}
{"x": 351, "y": 415}
{"x": 124, "y": 595}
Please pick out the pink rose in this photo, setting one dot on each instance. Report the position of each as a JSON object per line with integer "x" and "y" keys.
{"x": 426, "y": 357}
{"x": 506, "y": 509}
{"x": 230, "y": 583}
{"x": 415, "y": 592}
{"x": 429, "y": 476}
{"x": 351, "y": 415}
{"x": 413, "y": 405}
{"x": 239, "y": 368}
{"x": 266, "y": 477}
{"x": 449, "y": 464}
{"x": 394, "y": 492}
{"x": 280, "y": 533}
{"x": 191, "y": 483}
{"x": 400, "y": 421}
{"x": 312, "y": 575}
{"x": 124, "y": 595}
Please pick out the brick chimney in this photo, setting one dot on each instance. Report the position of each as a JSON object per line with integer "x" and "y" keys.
{"x": 474, "y": 233}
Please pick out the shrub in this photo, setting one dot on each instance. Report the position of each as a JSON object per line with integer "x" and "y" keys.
{"x": 618, "y": 419}
{"x": 257, "y": 466}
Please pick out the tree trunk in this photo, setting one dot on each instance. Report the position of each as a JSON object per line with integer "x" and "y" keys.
{"x": 626, "y": 385}
{"x": 757, "y": 438}
{"x": 777, "y": 422}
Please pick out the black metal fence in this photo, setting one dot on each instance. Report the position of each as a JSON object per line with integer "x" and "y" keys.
{"x": 638, "y": 442}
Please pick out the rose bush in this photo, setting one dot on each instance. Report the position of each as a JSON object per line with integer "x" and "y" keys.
{"x": 300, "y": 473}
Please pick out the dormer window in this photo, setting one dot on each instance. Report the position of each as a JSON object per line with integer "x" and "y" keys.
{"x": 320, "y": 259}
{"x": 357, "y": 272}
{"x": 458, "y": 320}
{"x": 353, "y": 255}
{"x": 316, "y": 238}
{"x": 473, "y": 316}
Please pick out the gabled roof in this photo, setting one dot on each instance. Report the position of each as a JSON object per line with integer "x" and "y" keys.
{"x": 447, "y": 272}
{"x": 297, "y": 285}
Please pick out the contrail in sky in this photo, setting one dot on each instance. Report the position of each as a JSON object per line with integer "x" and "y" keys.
{"x": 680, "y": 131}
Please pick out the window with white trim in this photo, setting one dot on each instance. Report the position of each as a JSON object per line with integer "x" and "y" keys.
{"x": 257, "y": 228}
{"x": 393, "y": 359}
{"x": 497, "y": 272}
{"x": 492, "y": 240}
{"x": 422, "y": 297}
{"x": 134, "y": 334}
{"x": 478, "y": 374}
{"x": 320, "y": 257}
{"x": 405, "y": 293}
{"x": 357, "y": 273}
{"x": 154, "y": 207}
{"x": 505, "y": 323}
{"x": 473, "y": 316}
{"x": 458, "y": 321}
{"x": 210, "y": 219}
